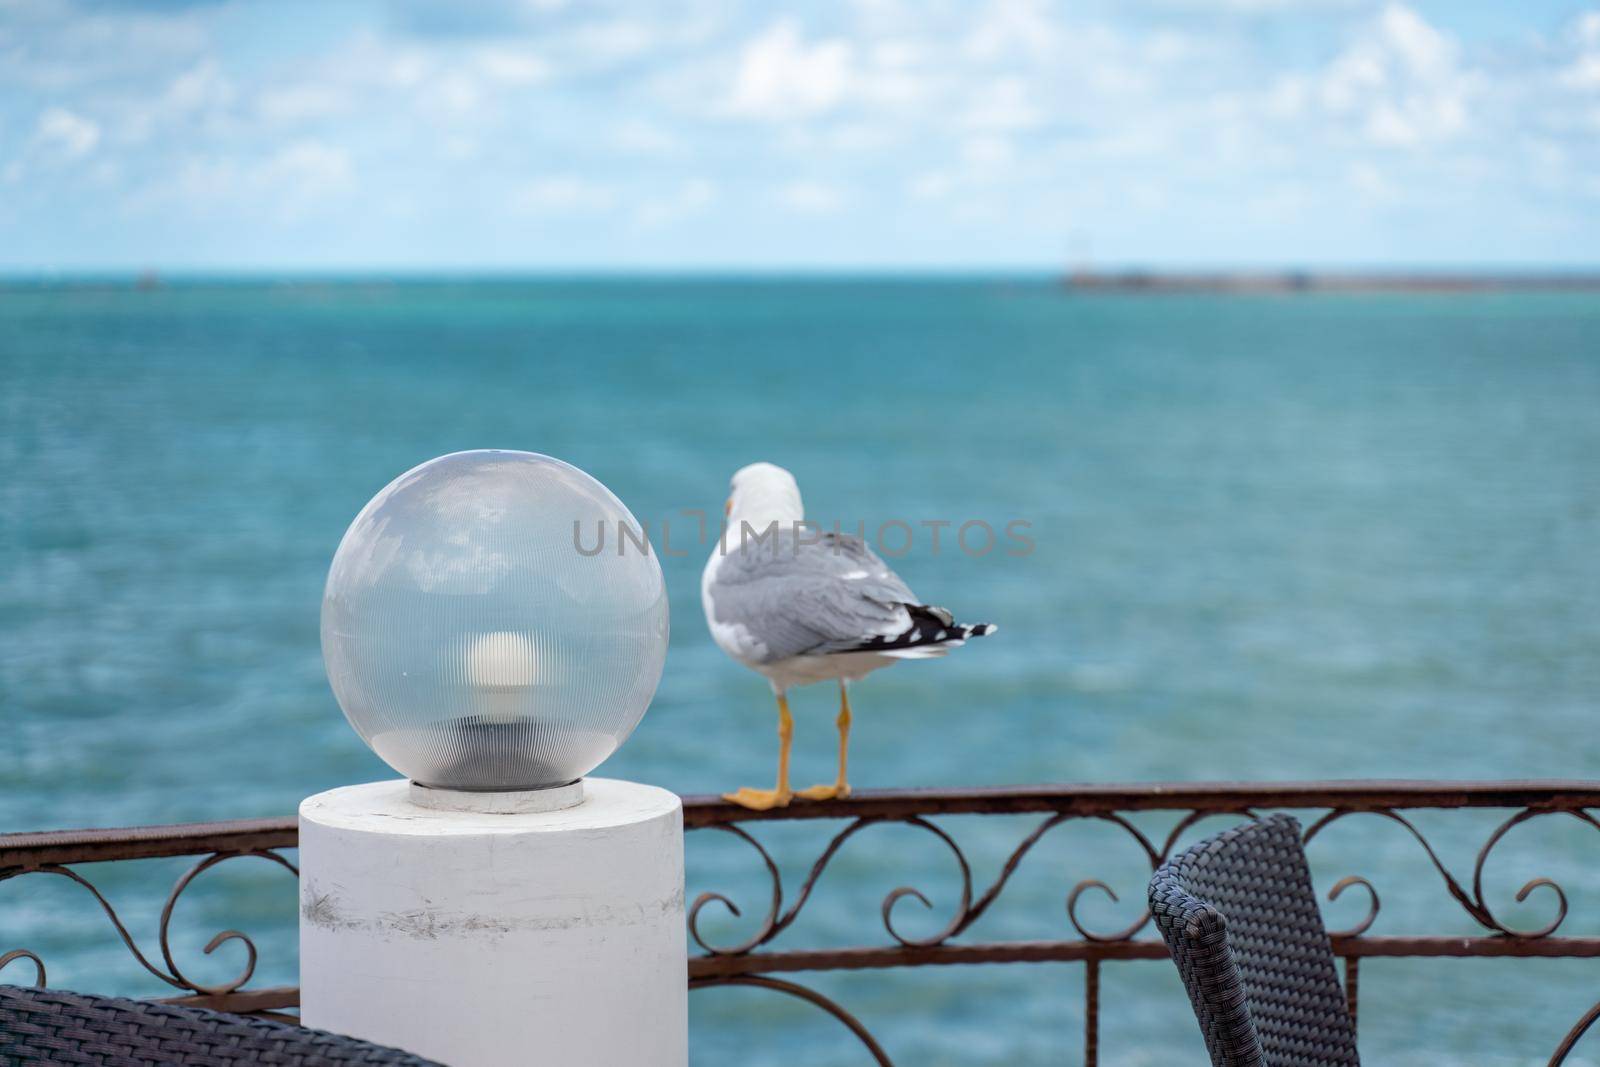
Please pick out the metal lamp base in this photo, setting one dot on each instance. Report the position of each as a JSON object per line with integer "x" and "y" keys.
{"x": 517, "y": 802}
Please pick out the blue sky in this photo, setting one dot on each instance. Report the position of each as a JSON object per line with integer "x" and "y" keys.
{"x": 702, "y": 134}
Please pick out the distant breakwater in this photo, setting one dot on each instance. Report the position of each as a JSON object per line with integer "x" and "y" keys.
{"x": 1305, "y": 281}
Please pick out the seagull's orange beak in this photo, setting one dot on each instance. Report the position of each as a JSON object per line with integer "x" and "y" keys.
{"x": 727, "y": 509}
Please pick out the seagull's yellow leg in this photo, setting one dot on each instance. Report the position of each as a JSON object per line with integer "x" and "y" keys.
{"x": 841, "y": 787}
{"x": 762, "y": 799}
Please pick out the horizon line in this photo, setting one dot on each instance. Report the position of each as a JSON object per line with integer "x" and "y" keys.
{"x": 1079, "y": 272}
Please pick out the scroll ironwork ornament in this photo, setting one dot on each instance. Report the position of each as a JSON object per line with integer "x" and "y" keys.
{"x": 1574, "y": 1035}
{"x": 778, "y": 919}
{"x": 1372, "y": 906}
{"x": 173, "y": 975}
{"x": 1473, "y": 902}
{"x": 963, "y": 915}
{"x": 39, "y": 979}
{"x": 969, "y": 908}
{"x": 1536, "y": 883}
{"x": 769, "y": 926}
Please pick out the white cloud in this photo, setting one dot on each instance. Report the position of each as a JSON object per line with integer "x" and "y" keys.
{"x": 1279, "y": 204}
{"x": 194, "y": 105}
{"x": 780, "y": 76}
{"x": 1003, "y": 104}
{"x": 639, "y": 137}
{"x": 201, "y": 86}
{"x": 1401, "y": 81}
{"x": 1289, "y": 98}
{"x": 200, "y": 181}
{"x": 835, "y": 138}
{"x": 1584, "y": 72}
{"x": 693, "y": 197}
{"x": 1007, "y": 26}
{"x": 512, "y": 66}
{"x": 1424, "y": 50}
{"x": 987, "y": 152}
{"x": 932, "y": 185}
{"x": 613, "y": 40}
{"x": 56, "y": 48}
{"x": 454, "y": 93}
{"x": 1586, "y": 28}
{"x": 297, "y": 180}
{"x": 561, "y": 193}
{"x": 1367, "y": 180}
{"x": 1352, "y": 76}
{"x": 67, "y": 132}
{"x": 304, "y": 102}
{"x": 313, "y": 169}
{"x": 812, "y": 198}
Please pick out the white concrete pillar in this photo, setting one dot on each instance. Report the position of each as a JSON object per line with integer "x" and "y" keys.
{"x": 483, "y": 940}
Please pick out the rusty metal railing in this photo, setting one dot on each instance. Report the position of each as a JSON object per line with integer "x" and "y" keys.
{"x": 759, "y": 959}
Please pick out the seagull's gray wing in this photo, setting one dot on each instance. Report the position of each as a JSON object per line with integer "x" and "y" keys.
{"x": 808, "y": 595}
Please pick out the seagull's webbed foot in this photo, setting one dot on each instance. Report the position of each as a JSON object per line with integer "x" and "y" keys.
{"x": 840, "y": 788}
{"x": 831, "y": 791}
{"x": 759, "y": 799}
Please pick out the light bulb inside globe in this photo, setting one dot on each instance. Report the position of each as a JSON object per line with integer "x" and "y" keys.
{"x": 502, "y": 666}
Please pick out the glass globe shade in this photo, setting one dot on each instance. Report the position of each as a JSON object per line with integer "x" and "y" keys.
{"x": 470, "y": 640}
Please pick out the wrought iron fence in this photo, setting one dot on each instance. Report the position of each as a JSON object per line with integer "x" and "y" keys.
{"x": 760, "y": 960}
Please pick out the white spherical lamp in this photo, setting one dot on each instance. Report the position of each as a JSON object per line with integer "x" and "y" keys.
{"x": 474, "y": 637}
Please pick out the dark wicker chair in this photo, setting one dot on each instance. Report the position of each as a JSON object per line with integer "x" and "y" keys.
{"x": 51, "y": 1026}
{"x": 1241, "y": 920}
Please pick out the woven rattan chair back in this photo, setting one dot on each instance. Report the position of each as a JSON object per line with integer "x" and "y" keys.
{"x": 40, "y": 1026}
{"x": 1240, "y": 918}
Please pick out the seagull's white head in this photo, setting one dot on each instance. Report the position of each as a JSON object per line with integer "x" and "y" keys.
{"x": 763, "y": 493}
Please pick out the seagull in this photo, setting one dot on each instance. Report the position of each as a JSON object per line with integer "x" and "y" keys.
{"x": 803, "y": 605}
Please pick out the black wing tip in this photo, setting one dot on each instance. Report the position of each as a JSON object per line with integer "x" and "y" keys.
{"x": 926, "y": 630}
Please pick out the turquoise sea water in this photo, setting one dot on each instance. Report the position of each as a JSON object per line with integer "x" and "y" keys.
{"x": 1306, "y": 537}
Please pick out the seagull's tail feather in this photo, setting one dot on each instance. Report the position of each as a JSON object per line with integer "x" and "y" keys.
{"x": 933, "y": 632}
